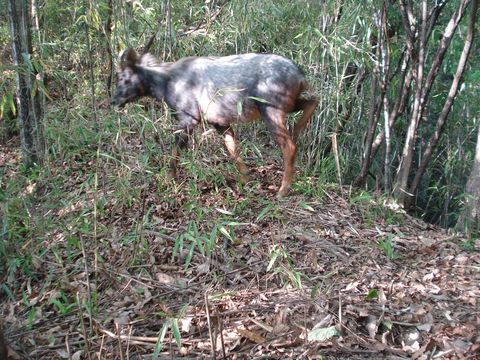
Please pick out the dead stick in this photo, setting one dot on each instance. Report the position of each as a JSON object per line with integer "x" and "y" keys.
{"x": 82, "y": 323}
{"x": 117, "y": 326}
{"x": 220, "y": 325}
{"x": 210, "y": 332}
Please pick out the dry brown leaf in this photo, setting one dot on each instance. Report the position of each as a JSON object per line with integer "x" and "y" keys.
{"x": 251, "y": 335}
{"x": 77, "y": 355}
{"x": 204, "y": 268}
{"x": 164, "y": 278}
{"x": 382, "y": 299}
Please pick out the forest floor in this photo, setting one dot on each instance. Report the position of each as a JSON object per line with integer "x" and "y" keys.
{"x": 221, "y": 272}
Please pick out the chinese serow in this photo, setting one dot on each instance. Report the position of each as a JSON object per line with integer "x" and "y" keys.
{"x": 222, "y": 91}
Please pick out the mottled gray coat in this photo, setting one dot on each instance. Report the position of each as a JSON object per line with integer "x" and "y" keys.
{"x": 222, "y": 91}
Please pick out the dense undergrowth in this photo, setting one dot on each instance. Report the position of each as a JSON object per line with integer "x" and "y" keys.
{"x": 101, "y": 173}
{"x": 108, "y": 181}
{"x": 105, "y": 254}
{"x": 99, "y": 238}
{"x": 331, "y": 42}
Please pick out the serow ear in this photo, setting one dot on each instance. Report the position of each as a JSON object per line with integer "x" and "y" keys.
{"x": 128, "y": 58}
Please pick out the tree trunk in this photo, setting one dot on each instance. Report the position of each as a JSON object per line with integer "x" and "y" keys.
{"x": 469, "y": 220}
{"x": 404, "y": 192}
{"x": 406, "y": 73}
{"x": 398, "y": 108}
{"x": 89, "y": 5}
{"x": 376, "y": 104}
{"x": 433, "y": 141}
{"x": 385, "y": 51}
{"x": 403, "y": 173}
{"x": 28, "y": 100}
{"x": 108, "y": 47}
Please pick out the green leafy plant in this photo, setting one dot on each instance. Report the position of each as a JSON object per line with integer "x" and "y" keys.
{"x": 280, "y": 258}
{"x": 388, "y": 247}
{"x": 271, "y": 211}
{"x": 169, "y": 323}
{"x": 63, "y": 304}
{"x": 372, "y": 294}
{"x": 469, "y": 244}
{"x": 373, "y": 208}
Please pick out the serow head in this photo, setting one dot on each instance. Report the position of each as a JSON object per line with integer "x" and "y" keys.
{"x": 129, "y": 86}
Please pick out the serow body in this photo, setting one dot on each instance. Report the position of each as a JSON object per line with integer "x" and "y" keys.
{"x": 222, "y": 91}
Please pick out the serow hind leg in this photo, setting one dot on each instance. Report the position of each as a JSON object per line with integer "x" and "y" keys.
{"x": 308, "y": 107}
{"x": 231, "y": 144}
{"x": 275, "y": 120}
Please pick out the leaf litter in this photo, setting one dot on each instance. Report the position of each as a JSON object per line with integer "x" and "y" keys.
{"x": 242, "y": 275}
